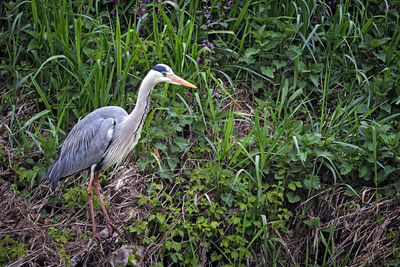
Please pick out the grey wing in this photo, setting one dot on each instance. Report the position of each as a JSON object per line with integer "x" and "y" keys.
{"x": 87, "y": 143}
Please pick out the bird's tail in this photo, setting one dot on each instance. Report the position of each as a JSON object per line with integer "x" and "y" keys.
{"x": 54, "y": 173}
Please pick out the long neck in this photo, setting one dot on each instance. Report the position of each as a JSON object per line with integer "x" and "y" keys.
{"x": 145, "y": 90}
{"x": 135, "y": 120}
{"x": 127, "y": 132}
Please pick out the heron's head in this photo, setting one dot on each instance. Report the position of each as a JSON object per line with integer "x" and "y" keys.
{"x": 163, "y": 73}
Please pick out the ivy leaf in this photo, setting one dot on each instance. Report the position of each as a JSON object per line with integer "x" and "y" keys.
{"x": 252, "y": 199}
{"x": 256, "y": 85}
{"x": 379, "y": 42}
{"x": 235, "y": 220}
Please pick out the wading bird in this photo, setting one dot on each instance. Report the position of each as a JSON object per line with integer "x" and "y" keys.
{"x": 105, "y": 137}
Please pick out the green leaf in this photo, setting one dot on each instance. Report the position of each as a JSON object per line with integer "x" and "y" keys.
{"x": 312, "y": 182}
{"x": 35, "y": 117}
{"x": 292, "y": 52}
{"x": 173, "y": 162}
{"x": 142, "y": 201}
{"x": 292, "y": 197}
{"x": 314, "y": 79}
{"x": 165, "y": 172}
{"x": 386, "y": 107}
{"x": 181, "y": 143}
{"x": 292, "y": 186}
{"x": 397, "y": 186}
{"x": 314, "y": 222}
{"x": 160, "y": 218}
{"x": 161, "y": 147}
{"x": 252, "y": 199}
{"x": 251, "y": 51}
{"x": 316, "y": 68}
{"x": 268, "y": 71}
{"x": 279, "y": 64}
{"x": 227, "y": 198}
{"x": 362, "y": 171}
{"x": 345, "y": 168}
{"x": 379, "y": 42}
{"x": 302, "y": 67}
{"x": 214, "y": 224}
{"x": 298, "y": 184}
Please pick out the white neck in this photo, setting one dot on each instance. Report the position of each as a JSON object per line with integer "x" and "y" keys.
{"x": 137, "y": 117}
{"x": 145, "y": 90}
{"x": 127, "y": 133}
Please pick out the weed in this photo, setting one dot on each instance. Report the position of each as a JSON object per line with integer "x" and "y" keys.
{"x": 11, "y": 250}
{"x": 321, "y": 110}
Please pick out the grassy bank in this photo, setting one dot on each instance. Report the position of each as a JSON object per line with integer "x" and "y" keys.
{"x": 287, "y": 153}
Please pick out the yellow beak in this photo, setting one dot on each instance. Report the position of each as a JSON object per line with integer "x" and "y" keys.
{"x": 179, "y": 80}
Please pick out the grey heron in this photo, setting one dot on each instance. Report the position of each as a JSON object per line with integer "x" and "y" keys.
{"x": 105, "y": 137}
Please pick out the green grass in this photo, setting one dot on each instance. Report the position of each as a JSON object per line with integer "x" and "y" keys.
{"x": 293, "y": 97}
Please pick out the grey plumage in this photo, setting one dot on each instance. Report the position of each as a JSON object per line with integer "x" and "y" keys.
{"x": 87, "y": 142}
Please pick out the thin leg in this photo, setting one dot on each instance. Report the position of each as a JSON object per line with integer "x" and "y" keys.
{"x": 90, "y": 196}
{"x": 97, "y": 186}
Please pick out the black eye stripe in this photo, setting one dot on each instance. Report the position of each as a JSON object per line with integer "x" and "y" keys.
{"x": 160, "y": 68}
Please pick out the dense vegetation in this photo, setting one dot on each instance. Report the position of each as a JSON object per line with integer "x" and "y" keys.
{"x": 287, "y": 153}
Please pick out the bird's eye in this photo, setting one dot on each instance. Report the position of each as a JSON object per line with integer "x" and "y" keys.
{"x": 164, "y": 74}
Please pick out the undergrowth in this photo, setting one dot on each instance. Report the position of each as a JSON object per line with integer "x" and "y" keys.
{"x": 293, "y": 98}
